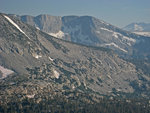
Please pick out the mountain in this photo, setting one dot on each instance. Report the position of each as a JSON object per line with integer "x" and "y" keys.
{"x": 91, "y": 31}
{"x": 139, "y": 28}
{"x": 38, "y": 65}
{"x": 38, "y": 71}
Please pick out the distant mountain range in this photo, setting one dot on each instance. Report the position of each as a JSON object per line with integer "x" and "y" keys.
{"x": 91, "y": 31}
{"x": 139, "y": 28}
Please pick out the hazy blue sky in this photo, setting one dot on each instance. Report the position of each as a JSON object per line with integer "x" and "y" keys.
{"x": 116, "y": 12}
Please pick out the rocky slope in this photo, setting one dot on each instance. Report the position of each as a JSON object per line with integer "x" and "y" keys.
{"x": 41, "y": 64}
{"x": 91, "y": 31}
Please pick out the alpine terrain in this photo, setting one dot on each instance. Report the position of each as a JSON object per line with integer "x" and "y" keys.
{"x": 91, "y": 31}
{"x": 41, "y": 72}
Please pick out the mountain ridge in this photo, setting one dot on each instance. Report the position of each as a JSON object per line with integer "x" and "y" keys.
{"x": 91, "y": 31}
{"x": 138, "y": 27}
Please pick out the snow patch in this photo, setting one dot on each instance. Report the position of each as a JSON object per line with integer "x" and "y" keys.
{"x": 13, "y": 23}
{"x": 130, "y": 39}
{"x": 106, "y": 29}
{"x": 37, "y": 56}
{"x": 5, "y": 72}
{"x": 31, "y": 96}
{"x": 60, "y": 34}
{"x": 113, "y": 44}
{"x": 129, "y": 44}
{"x": 118, "y": 90}
{"x": 56, "y": 74}
{"x": 143, "y": 33}
{"x": 51, "y": 59}
{"x": 115, "y": 34}
{"x": 109, "y": 77}
{"x": 37, "y": 28}
{"x": 73, "y": 87}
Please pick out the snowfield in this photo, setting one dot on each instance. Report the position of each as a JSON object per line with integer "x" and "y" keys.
{"x": 5, "y": 72}
{"x": 60, "y": 34}
{"x": 14, "y": 24}
{"x": 116, "y": 46}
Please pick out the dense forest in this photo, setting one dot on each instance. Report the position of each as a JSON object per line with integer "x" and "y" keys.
{"x": 62, "y": 105}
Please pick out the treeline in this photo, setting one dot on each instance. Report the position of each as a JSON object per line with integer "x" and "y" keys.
{"x": 62, "y": 105}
